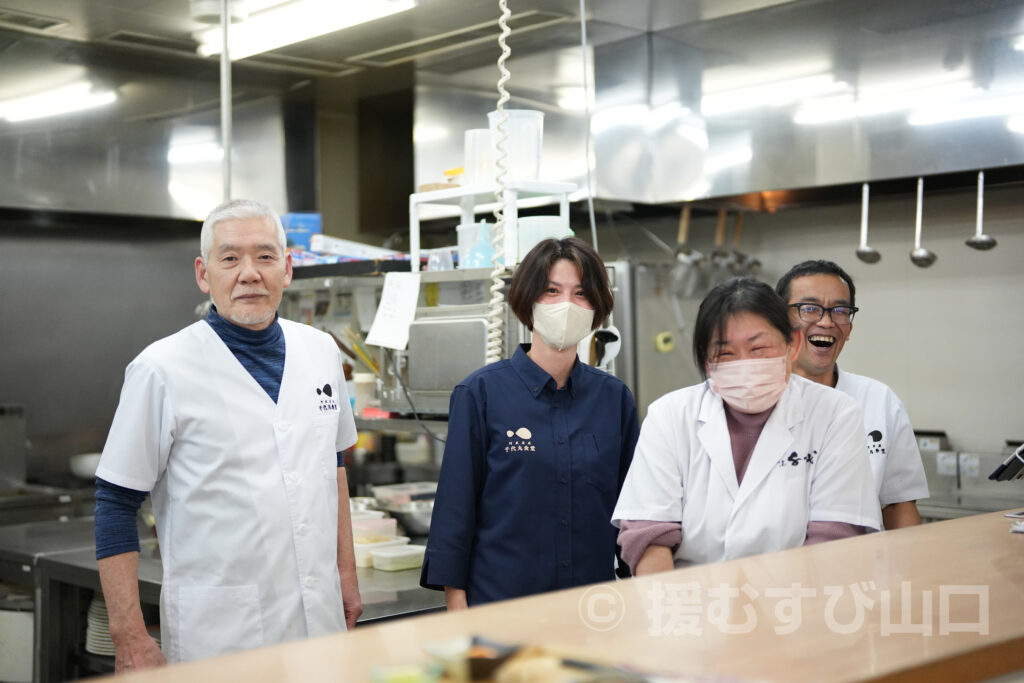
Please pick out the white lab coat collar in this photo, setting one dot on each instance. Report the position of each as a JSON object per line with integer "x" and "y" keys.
{"x": 776, "y": 437}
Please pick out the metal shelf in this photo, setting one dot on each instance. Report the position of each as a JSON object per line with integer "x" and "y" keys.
{"x": 400, "y": 424}
{"x": 469, "y": 201}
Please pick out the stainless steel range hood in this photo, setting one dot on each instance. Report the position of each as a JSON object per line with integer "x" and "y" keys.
{"x": 691, "y": 100}
{"x": 770, "y": 96}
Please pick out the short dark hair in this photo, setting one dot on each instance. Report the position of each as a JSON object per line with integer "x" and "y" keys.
{"x": 818, "y": 267}
{"x": 736, "y": 295}
{"x": 531, "y": 278}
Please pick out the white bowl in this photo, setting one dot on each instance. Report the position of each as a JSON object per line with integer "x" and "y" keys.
{"x": 84, "y": 465}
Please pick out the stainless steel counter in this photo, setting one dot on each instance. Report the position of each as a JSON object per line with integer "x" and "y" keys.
{"x": 59, "y": 560}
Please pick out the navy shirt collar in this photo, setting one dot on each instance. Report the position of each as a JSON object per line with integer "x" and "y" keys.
{"x": 536, "y": 378}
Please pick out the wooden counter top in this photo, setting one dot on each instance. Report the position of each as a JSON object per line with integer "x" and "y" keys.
{"x": 946, "y": 570}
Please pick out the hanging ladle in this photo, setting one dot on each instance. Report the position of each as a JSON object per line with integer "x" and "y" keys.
{"x": 920, "y": 256}
{"x": 864, "y": 252}
{"x": 979, "y": 241}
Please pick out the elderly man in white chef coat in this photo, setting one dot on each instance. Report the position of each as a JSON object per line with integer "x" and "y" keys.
{"x": 235, "y": 425}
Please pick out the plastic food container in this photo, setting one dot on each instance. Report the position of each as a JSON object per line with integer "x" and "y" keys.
{"x": 395, "y": 558}
{"x": 363, "y": 550}
{"x": 374, "y": 530}
{"x": 367, "y": 514}
{"x": 396, "y": 494}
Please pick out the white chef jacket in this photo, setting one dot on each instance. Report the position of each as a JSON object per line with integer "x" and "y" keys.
{"x": 895, "y": 460}
{"x": 808, "y": 465}
{"x": 244, "y": 490}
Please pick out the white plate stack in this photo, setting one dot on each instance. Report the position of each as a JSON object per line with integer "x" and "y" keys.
{"x": 97, "y": 634}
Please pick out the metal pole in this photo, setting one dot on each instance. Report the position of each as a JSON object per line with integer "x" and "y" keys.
{"x": 225, "y": 97}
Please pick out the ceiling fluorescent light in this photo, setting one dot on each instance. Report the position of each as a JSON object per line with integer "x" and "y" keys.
{"x": 294, "y": 23}
{"x": 1018, "y": 44}
{"x": 1015, "y": 124}
{"x": 63, "y": 100}
{"x": 777, "y": 94}
{"x": 972, "y": 109}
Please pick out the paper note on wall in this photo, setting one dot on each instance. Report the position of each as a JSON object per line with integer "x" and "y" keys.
{"x": 396, "y": 311}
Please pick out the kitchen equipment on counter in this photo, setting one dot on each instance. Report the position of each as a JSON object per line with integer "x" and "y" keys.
{"x": 978, "y": 492}
{"x": 363, "y": 550}
{"x": 17, "y": 622}
{"x": 413, "y": 517}
{"x": 864, "y": 252}
{"x": 374, "y": 530}
{"x": 980, "y": 241}
{"x": 1011, "y": 468}
{"x": 13, "y": 459}
{"x": 446, "y": 343}
{"x": 398, "y": 494}
{"x": 398, "y": 557}
{"x": 366, "y": 514}
{"x": 920, "y": 257}
{"x": 360, "y": 503}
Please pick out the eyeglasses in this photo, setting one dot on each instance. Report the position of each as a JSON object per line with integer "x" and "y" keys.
{"x": 812, "y": 313}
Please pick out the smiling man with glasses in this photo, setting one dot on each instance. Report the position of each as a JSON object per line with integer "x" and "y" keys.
{"x": 820, "y": 296}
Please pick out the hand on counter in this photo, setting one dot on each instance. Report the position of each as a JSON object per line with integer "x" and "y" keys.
{"x": 139, "y": 653}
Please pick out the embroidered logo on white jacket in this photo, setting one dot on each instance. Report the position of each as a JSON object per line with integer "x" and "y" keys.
{"x": 519, "y": 440}
{"x": 327, "y": 402}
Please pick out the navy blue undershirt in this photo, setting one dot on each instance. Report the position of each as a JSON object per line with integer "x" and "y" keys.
{"x": 261, "y": 353}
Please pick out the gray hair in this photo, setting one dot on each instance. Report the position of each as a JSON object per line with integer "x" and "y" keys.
{"x": 238, "y": 209}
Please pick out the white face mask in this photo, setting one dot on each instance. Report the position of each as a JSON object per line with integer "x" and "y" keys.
{"x": 562, "y": 325}
{"x": 750, "y": 386}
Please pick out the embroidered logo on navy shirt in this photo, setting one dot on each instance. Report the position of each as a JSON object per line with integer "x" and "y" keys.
{"x": 875, "y": 442}
{"x": 519, "y": 440}
{"x": 327, "y": 403}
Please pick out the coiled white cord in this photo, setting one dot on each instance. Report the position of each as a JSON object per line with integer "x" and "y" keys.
{"x": 496, "y": 316}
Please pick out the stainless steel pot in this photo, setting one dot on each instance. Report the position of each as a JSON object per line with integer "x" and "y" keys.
{"x": 413, "y": 516}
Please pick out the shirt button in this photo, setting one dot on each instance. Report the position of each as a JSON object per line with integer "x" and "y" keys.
{"x": 303, "y": 529}
{"x": 283, "y": 426}
{"x": 293, "y": 478}
{"x": 564, "y": 479}
{"x": 565, "y": 563}
{"x": 309, "y": 582}
{"x": 561, "y": 439}
{"x": 565, "y": 522}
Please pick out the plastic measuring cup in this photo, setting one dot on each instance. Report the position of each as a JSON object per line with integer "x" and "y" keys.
{"x": 525, "y": 131}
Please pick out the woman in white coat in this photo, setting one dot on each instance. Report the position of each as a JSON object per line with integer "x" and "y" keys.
{"x": 754, "y": 459}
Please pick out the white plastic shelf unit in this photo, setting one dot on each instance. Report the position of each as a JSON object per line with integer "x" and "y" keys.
{"x": 466, "y": 202}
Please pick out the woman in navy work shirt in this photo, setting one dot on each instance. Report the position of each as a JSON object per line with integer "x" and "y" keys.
{"x": 538, "y": 447}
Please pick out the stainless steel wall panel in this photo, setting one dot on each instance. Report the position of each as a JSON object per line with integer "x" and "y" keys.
{"x": 153, "y": 152}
